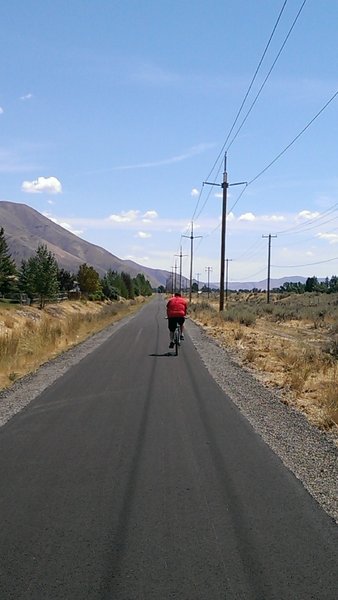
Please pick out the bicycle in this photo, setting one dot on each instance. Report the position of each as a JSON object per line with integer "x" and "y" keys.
{"x": 177, "y": 337}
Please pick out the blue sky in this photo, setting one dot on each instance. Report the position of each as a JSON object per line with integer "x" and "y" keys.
{"x": 113, "y": 113}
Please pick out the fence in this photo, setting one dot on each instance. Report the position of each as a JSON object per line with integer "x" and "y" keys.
{"x": 21, "y": 298}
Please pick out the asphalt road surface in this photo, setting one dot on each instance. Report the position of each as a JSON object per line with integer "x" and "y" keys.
{"x": 133, "y": 476}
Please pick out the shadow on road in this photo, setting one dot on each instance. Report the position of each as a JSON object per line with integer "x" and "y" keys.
{"x": 165, "y": 354}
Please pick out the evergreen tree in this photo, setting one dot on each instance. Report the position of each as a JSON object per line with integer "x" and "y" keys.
{"x": 115, "y": 284}
{"x": 129, "y": 285}
{"x": 8, "y": 269}
{"x": 89, "y": 280}
{"x": 121, "y": 286}
{"x": 333, "y": 284}
{"x": 311, "y": 284}
{"x": 39, "y": 275}
{"x": 25, "y": 283}
{"x": 66, "y": 280}
{"x": 109, "y": 284}
{"x": 142, "y": 286}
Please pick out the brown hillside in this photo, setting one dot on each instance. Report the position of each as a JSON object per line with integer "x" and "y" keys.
{"x": 25, "y": 228}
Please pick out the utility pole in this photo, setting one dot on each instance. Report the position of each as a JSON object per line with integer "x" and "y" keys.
{"x": 208, "y": 269}
{"x": 180, "y": 255}
{"x": 224, "y": 185}
{"x": 269, "y": 262}
{"x": 227, "y": 260}
{"x": 198, "y": 281}
{"x": 191, "y": 237}
{"x": 172, "y": 280}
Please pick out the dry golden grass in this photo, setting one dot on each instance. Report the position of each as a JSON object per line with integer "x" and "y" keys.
{"x": 29, "y": 336}
{"x": 290, "y": 344}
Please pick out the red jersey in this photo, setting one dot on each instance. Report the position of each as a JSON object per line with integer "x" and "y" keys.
{"x": 177, "y": 307}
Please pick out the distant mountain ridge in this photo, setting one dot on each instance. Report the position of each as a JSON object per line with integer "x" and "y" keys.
{"x": 263, "y": 284}
{"x": 25, "y": 228}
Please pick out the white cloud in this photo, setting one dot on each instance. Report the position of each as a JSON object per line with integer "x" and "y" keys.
{"x": 125, "y": 216}
{"x": 134, "y": 216}
{"x": 307, "y": 214}
{"x": 247, "y": 217}
{"x": 143, "y": 235}
{"x": 62, "y": 224}
{"x": 194, "y": 192}
{"x": 332, "y": 238}
{"x": 1, "y": 111}
{"x": 26, "y": 97}
{"x": 149, "y": 216}
{"x": 138, "y": 259}
{"x": 48, "y": 185}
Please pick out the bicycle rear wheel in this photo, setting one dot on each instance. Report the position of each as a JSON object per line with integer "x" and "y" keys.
{"x": 177, "y": 340}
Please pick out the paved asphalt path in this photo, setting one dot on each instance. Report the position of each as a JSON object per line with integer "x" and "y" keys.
{"x": 134, "y": 477}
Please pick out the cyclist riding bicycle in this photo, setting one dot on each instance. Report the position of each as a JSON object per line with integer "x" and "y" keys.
{"x": 176, "y": 312}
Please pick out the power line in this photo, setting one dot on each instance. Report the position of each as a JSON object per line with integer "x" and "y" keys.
{"x": 254, "y": 275}
{"x": 295, "y": 139}
{"x": 268, "y": 75}
{"x": 320, "y": 262}
{"x": 248, "y": 90}
{"x": 239, "y": 197}
{"x": 253, "y": 255}
{"x": 303, "y": 226}
{"x": 208, "y": 177}
{"x": 195, "y": 217}
{"x": 285, "y": 150}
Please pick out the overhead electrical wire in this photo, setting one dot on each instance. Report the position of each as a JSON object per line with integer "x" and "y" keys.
{"x": 285, "y": 150}
{"x": 258, "y": 242}
{"x": 314, "y": 226}
{"x": 240, "y": 110}
{"x": 268, "y": 75}
{"x": 250, "y": 86}
{"x": 250, "y": 109}
{"x": 301, "y": 226}
{"x": 296, "y": 243}
{"x": 294, "y": 139}
{"x": 248, "y": 277}
{"x": 319, "y": 262}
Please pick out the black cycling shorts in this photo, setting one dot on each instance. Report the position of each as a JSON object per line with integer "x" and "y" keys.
{"x": 172, "y": 321}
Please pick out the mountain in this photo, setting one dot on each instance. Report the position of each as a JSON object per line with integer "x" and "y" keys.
{"x": 261, "y": 285}
{"x": 25, "y": 228}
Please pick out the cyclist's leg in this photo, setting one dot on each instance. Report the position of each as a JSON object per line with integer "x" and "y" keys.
{"x": 181, "y": 322}
{"x": 172, "y": 327}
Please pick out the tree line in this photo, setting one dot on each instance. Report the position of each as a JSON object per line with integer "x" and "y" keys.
{"x": 40, "y": 277}
{"x": 312, "y": 284}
